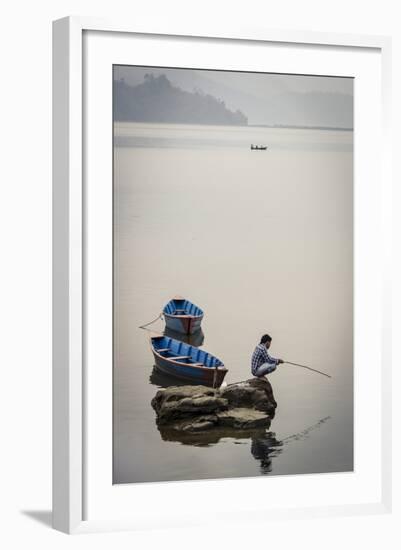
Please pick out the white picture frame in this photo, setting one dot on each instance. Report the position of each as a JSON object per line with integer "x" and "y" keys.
{"x": 75, "y": 481}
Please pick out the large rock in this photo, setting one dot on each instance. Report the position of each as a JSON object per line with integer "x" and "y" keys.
{"x": 246, "y": 405}
{"x": 179, "y": 402}
{"x": 255, "y": 393}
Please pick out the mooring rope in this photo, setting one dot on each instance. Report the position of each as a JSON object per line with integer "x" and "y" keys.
{"x": 151, "y": 322}
{"x": 215, "y": 377}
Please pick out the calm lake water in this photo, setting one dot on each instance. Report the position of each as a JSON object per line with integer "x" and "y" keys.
{"x": 262, "y": 241}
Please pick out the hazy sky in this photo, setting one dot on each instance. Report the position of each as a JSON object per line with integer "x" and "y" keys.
{"x": 264, "y": 98}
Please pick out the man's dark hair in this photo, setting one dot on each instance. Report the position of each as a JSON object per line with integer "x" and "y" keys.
{"x": 265, "y": 338}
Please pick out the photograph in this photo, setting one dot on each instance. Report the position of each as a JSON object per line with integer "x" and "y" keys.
{"x": 233, "y": 247}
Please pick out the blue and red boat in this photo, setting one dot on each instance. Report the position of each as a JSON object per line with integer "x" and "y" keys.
{"x": 182, "y": 316}
{"x": 187, "y": 362}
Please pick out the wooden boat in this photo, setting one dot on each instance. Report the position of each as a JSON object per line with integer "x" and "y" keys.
{"x": 258, "y": 147}
{"x": 182, "y": 316}
{"x": 183, "y": 361}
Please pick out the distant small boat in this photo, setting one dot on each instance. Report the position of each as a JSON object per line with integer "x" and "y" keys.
{"x": 258, "y": 147}
{"x": 186, "y": 362}
{"x": 182, "y": 316}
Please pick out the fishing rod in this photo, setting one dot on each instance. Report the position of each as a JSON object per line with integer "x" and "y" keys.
{"x": 305, "y": 367}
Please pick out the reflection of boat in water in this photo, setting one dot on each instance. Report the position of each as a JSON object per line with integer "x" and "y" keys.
{"x": 162, "y": 380}
{"x": 182, "y": 316}
{"x": 187, "y": 362}
{"x": 258, "y": 147}
{"x": 196, "y": 339}
{"x": 158, "y": 378}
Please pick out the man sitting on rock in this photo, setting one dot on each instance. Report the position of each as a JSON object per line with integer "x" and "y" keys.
{"x": 262, "y": 363}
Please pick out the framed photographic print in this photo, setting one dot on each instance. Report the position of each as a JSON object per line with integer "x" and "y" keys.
{"x": 220, "y": 261}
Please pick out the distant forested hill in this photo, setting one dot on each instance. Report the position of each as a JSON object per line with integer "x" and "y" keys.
{"x": 157, "y": 100}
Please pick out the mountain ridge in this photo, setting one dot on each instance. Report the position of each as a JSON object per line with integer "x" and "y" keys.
{"x": 156, "y": 99}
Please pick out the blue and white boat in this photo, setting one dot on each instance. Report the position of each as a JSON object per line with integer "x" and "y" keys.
{"x": 187, "y": 362}
{"x": 182, "y": 316}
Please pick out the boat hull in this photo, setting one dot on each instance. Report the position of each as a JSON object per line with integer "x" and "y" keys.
{"x": 186, "y": 362}
{"x": 195, "y": 375}
{"x": 184, "y": 324}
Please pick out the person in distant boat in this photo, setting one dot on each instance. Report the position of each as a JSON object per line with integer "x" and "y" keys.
{"x": 262, "y": 363}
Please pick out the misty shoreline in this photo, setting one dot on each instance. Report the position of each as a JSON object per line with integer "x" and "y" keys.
{"x": 239, "y": 126}
{"x": 294, "y": 127}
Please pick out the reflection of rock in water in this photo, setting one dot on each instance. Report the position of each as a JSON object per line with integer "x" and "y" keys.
{"x": 196, "y": 339}
{"x": 265, "y": 447}
{"x": 208, "y": 438}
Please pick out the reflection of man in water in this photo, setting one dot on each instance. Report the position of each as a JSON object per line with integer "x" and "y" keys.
{"x": 264, "y": 448}
{"x": 262, "y": 363}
